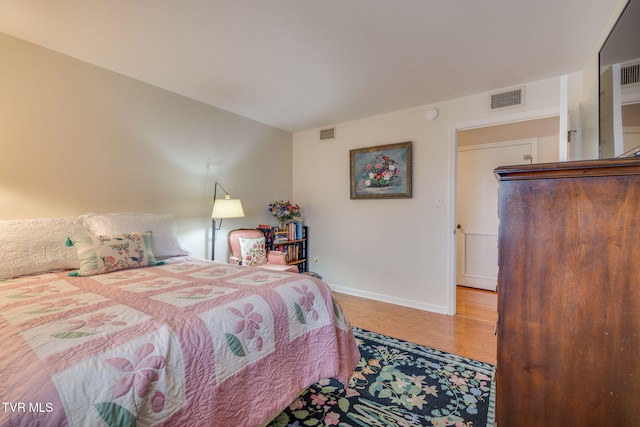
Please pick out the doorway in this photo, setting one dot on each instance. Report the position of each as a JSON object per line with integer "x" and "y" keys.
{"x": 477, "y": 214}
{"x": 540, "y": 126}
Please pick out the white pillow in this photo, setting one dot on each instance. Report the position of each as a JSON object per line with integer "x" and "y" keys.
{"x": 38, "y": 245}
{"x": 164, "y": 240}
{"x": 253, "y": 251}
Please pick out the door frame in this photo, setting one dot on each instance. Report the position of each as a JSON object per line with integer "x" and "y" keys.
{"x": 453, "y": 167}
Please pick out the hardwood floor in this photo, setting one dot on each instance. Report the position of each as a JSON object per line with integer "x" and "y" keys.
{"x": 470, "y": 333}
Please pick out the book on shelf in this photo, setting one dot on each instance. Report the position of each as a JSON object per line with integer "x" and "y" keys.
{"x": 280, "y": 236}
{"x": 297, "y": 223}
{"x": 299, "y": 229}
{"x": 292, "y": 231}
{"x": 292, "y": 252}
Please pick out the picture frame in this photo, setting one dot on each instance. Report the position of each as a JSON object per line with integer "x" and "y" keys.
{"x": 381, "y": 172}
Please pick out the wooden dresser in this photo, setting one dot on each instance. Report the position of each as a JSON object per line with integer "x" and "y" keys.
{"x": 569, "y": 294}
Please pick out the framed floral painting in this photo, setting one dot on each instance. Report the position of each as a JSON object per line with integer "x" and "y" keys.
{"x": 381, "y": 172}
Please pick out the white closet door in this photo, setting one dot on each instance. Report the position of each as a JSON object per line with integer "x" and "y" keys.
{"x": 477, "y": 205}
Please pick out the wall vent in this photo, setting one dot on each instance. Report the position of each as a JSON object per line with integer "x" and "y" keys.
{"x": 630, "y": 74}
{"x": 506, "y": 99}
{"x": 329, "y": 133}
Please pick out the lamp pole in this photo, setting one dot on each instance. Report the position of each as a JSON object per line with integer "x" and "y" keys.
{"x": 213, "y": 239}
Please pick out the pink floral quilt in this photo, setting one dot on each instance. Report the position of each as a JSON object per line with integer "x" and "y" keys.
{"x": 191, "y": 342}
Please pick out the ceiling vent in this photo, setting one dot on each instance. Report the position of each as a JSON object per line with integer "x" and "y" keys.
{"x": 630, "y": 74}
{"x": 506, "y": 99}
{"x": 329, "y": 133}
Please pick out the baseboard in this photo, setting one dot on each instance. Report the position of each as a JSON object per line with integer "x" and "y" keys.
{"x": 389, "y": 299}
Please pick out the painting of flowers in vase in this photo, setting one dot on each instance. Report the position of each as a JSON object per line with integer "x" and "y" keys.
{"x": 381, "y": 172}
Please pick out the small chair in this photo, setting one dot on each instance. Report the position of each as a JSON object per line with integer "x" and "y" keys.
{"x": 252, "y": 250}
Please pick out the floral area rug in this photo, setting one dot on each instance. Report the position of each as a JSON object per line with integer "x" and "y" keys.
{"x": 398, "y": 383}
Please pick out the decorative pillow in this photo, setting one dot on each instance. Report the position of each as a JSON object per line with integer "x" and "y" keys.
{"x": 253, "y": 251}
{"x": 36, "y": 245}
{"x": 104, "y": 254}
{"x": 165, "y": 241}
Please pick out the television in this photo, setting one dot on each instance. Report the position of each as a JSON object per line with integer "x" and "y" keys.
{"x": 619, "y": 66}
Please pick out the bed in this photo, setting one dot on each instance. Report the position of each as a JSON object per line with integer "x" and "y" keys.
{"x": 171, "y": 340}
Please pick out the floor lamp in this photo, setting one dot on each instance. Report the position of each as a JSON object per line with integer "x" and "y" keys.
{"x": 223, "y": 208}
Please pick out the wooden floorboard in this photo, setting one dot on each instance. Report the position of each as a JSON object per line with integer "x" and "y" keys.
{"x": 470, "y": 333}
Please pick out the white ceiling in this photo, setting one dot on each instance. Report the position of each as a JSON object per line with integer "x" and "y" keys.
{"x": 302, "y": 64}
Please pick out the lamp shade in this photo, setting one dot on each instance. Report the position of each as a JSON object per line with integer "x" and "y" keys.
{"x": 227, "y": 208}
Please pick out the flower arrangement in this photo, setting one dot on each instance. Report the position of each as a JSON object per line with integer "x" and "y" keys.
{"x": 380, "y": 173}
{"x": 284, "y": 211}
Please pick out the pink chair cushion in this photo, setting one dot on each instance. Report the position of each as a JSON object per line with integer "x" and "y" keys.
{"x": 279, "y": 267}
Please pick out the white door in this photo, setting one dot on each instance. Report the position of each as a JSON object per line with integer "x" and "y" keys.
{"x": 477, "y": 208}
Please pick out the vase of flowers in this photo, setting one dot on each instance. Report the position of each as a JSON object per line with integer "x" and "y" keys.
{"x": 284, "y": 211}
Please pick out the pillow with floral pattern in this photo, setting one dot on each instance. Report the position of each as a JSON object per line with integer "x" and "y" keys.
{"x": 106, "y": 253}
{"x": 253, "y": 251}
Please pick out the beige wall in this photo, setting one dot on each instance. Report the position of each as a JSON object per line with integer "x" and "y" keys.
{"x": 547, "y": 126}
{"x": 545, "y": 131}
{"x": 395, "y": 250}
{"x": 401, "y": 251}
{"x": 76, "y": 138}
